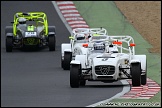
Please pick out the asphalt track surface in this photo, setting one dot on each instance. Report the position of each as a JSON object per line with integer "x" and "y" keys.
{"x": 35, "y": 78}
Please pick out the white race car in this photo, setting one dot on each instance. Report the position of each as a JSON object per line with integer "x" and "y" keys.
{"x": 110, "y": 60}
{"x": 77, "y": 38}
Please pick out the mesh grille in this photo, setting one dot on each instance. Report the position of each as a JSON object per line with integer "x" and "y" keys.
{"x": 30, "y": 41}
{"x": 104, "y": 70}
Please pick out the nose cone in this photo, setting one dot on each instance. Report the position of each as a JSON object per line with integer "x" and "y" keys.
{"x": 105, "y": 61}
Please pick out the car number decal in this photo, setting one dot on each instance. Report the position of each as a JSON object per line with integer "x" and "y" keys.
{"x": 30, "y": 34}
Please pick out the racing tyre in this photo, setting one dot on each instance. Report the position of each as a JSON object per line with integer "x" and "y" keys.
{"x": 67, "y": 60}
{"x": 136, "y": 74}
{"x": 74, "y": 76}
{"x": 52, "y": 38}
{"x": 62, "y": 62}
{"x": 9, "y": 39}
{"x": 144, "y": 77}
{"x": 9, "y": 44}
{"x": 82, "y": 82}
{"x": 51, "y": 43}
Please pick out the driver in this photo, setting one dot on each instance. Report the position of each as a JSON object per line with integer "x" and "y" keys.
{"x": 22, "y": 20}
{"x": 22, "y": 24}
{"x": 99, "y": 46}
{"x": 80, "y": 37}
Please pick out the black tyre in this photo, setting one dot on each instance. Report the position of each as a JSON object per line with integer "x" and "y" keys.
{"x": 136, "y": 74}
{"x": 51, "y": 38}
{"x": 67, "y": 60}
{"x": 9, "y": 43}
{"x": 51, "y": 43}
{"x": 9, "y": 39}
{"x": 82, "y": 82}
{"x": 74, "y": 76}
{"x": 144, "y": 77}
{"x": 62, "y": 63}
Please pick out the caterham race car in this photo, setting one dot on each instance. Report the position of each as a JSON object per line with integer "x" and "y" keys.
{"x": 108, "y": 60}
{"x": 77, "y": 38}
{"x": 30, "y": 30}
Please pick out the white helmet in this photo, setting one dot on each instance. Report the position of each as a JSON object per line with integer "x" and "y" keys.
{"x": 22, "y": 21}
{"x": 99, "y": 45}
{"x": 80, "y": 37}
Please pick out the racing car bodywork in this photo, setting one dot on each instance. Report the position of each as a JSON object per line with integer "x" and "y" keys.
{"x": 115, "y": 61}
{"x": 30, "y": 30}
{"x": 77, "y": 38}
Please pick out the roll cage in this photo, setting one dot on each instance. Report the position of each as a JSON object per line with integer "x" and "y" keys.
{"x": 38, "y": 17}
{"x": 87, "y": 31}
{"x": 125, "y": 44}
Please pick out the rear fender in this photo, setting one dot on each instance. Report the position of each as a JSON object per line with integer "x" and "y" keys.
{"x": 51, "y": 33}
{"x": 75, "y": 62}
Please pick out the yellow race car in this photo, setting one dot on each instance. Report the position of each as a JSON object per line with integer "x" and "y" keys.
{"x": 30, "y": 30}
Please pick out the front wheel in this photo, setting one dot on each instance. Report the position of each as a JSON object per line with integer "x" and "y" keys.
{"x": 144, "y": 77}
{"x": 9, "y": 44}
{"x": 136, "y": 74}
{"x": 74, "y": 76}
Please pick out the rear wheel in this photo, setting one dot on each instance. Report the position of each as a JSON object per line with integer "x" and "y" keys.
{"x": 51, "y": 38}
{"x": 74, "y": 76}
{"x": 9, "y": 44}
{"x": 67, "y": 60}
{"x": 51, "y": 43}
{"x": 136, "y": 74}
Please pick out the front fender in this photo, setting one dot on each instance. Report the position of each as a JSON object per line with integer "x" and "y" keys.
{"x": 75, "y": 62}
{"x": 81, "y": 59}
{"x": 140, "y": 59}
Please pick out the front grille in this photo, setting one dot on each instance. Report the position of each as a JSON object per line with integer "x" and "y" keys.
{"x": 30, "y": 41}
{"x": 104, "y": 70}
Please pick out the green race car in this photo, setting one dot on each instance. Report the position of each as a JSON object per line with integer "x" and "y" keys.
{"x": 30, "y": 30}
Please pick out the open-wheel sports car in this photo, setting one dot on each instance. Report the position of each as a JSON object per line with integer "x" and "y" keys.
{"x": 108, "y": 60}
{"x": 77, "y": 38}
{"x": 30, "y": 29}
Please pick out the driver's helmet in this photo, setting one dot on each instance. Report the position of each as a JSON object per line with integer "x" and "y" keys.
{"x": 22, "y": 21}
{"x": 99, "y": 45}
{"x": 80, "y": 37}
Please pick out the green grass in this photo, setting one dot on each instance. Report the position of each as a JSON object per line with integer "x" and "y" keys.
{"x": 106, "y": 14}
